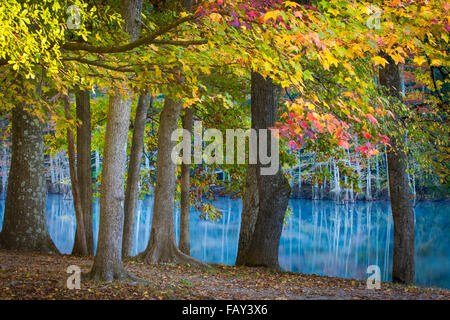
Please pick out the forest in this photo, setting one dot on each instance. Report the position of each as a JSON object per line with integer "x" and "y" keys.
{"x": 210, "y": 149}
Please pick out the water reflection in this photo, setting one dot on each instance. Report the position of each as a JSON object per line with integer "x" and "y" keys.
{"x": 320, "y": 237}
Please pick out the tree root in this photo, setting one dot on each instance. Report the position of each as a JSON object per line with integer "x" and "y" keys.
{"x": 117, "y": 275}
{"x": 170, "y": 255}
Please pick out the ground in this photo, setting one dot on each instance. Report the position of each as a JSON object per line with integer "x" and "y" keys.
{"x": 36, "y": 276}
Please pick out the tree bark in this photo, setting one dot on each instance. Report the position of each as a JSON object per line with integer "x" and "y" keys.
{"x": 80, "y": 245}
{"x": 185, "y": 205}
{"x": 24, "y": 224}
{"x": 403, "y": 270}
{"x": 84, "y": 167}
{"x": 108, "y": 264}
{"x": 134, "y": 167}
{"x": 250, "y": 206}
{"x": 162, "y": 245}
{"x": 273, "y": 190}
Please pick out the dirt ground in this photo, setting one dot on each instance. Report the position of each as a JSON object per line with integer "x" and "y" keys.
{"x": 35, "y": 276}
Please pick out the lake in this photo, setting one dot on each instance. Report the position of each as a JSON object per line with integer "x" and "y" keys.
{"x": 320, "y": 237}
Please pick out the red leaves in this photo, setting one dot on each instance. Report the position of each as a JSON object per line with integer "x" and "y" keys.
{"x": 366, "y": 135}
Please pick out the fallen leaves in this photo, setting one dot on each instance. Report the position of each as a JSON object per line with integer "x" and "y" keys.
{"x": 33, "y": 276}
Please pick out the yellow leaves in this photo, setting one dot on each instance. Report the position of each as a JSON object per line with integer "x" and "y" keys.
{"x": 328, "y": 59}
{"x": 285, "y": 83}
{"x": 333, "y": 11}
{"x": 215, "y": 17}
{"x": 397, "y": 58}
{"x": 436, "y": 63}
{"x": 379, "y": 61}
{"x": 157, "y": 72}
{"x": 419, "y": 60}
{"x": 290, "y": 4}
{"x": 271, "y": 14}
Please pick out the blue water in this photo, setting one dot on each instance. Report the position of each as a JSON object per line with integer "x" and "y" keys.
{"x": 320, "y": 237}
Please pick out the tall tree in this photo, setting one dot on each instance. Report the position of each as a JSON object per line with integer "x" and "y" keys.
{"x": 185, "y": 203}
{"x": 24, "y": 224}
{"x": 108, "y": 264}
{"x": 273, "y": 190}
{"x": 80, "y": 245}
{"x": 403, "y": 270}
{"x": 134, "y": 167}
{"x": 84, "y": 169}
{"x": 162, "y": 245}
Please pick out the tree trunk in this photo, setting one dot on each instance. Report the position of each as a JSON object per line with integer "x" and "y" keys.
{"x": 249, "y": 214}
{"x": 134, "y": 167}
{"x": 84, "y": 167}
{"x": 402, "y": 210}
{"x": 80, "y": 245}
{"x": 24, "y": 224}
{"x": 273, "y": 190}
{"x": 162, "y": 245}
{"x": 185, "y": 205}
{"x": 108, "y": 264}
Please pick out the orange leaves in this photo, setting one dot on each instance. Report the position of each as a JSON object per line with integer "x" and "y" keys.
{"x": 344, "y": 144}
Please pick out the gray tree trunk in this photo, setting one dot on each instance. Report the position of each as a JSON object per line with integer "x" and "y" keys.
{"x": 80, "y": 245}
{"x": 162, "y": 246}
{"x": 108, "y": 264}
{"x": 84, "y": 169}
{"x": 185, "y": 205}
{"x": 134, "y": 167}
{"x": 250, "y": 206}
{"x": 273, "y": 190}
{"x": 24, "y": 223}
{"x": 403, "y": 270}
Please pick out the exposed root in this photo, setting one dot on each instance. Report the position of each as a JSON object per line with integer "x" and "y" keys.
{"x": 116, "y": 274}
{"x": 170, "y": 254}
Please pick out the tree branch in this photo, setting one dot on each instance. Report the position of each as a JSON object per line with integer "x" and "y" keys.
{"x": 98, "y": 64}
{"x": 77, "y": 46}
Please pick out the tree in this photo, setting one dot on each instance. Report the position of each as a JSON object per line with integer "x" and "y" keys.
{"x": 108, "y": 264}
{"x": 24, "y": 224}
{"x": 132, "y": 192}
{"x": 162, "y": 246}
{"x": 84, "y": 172}
{"x": 80, "y": 245}
{"x": 273, "y": 190}
{"x": 185, "y": 203}
{"x": 403, "y": 270}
